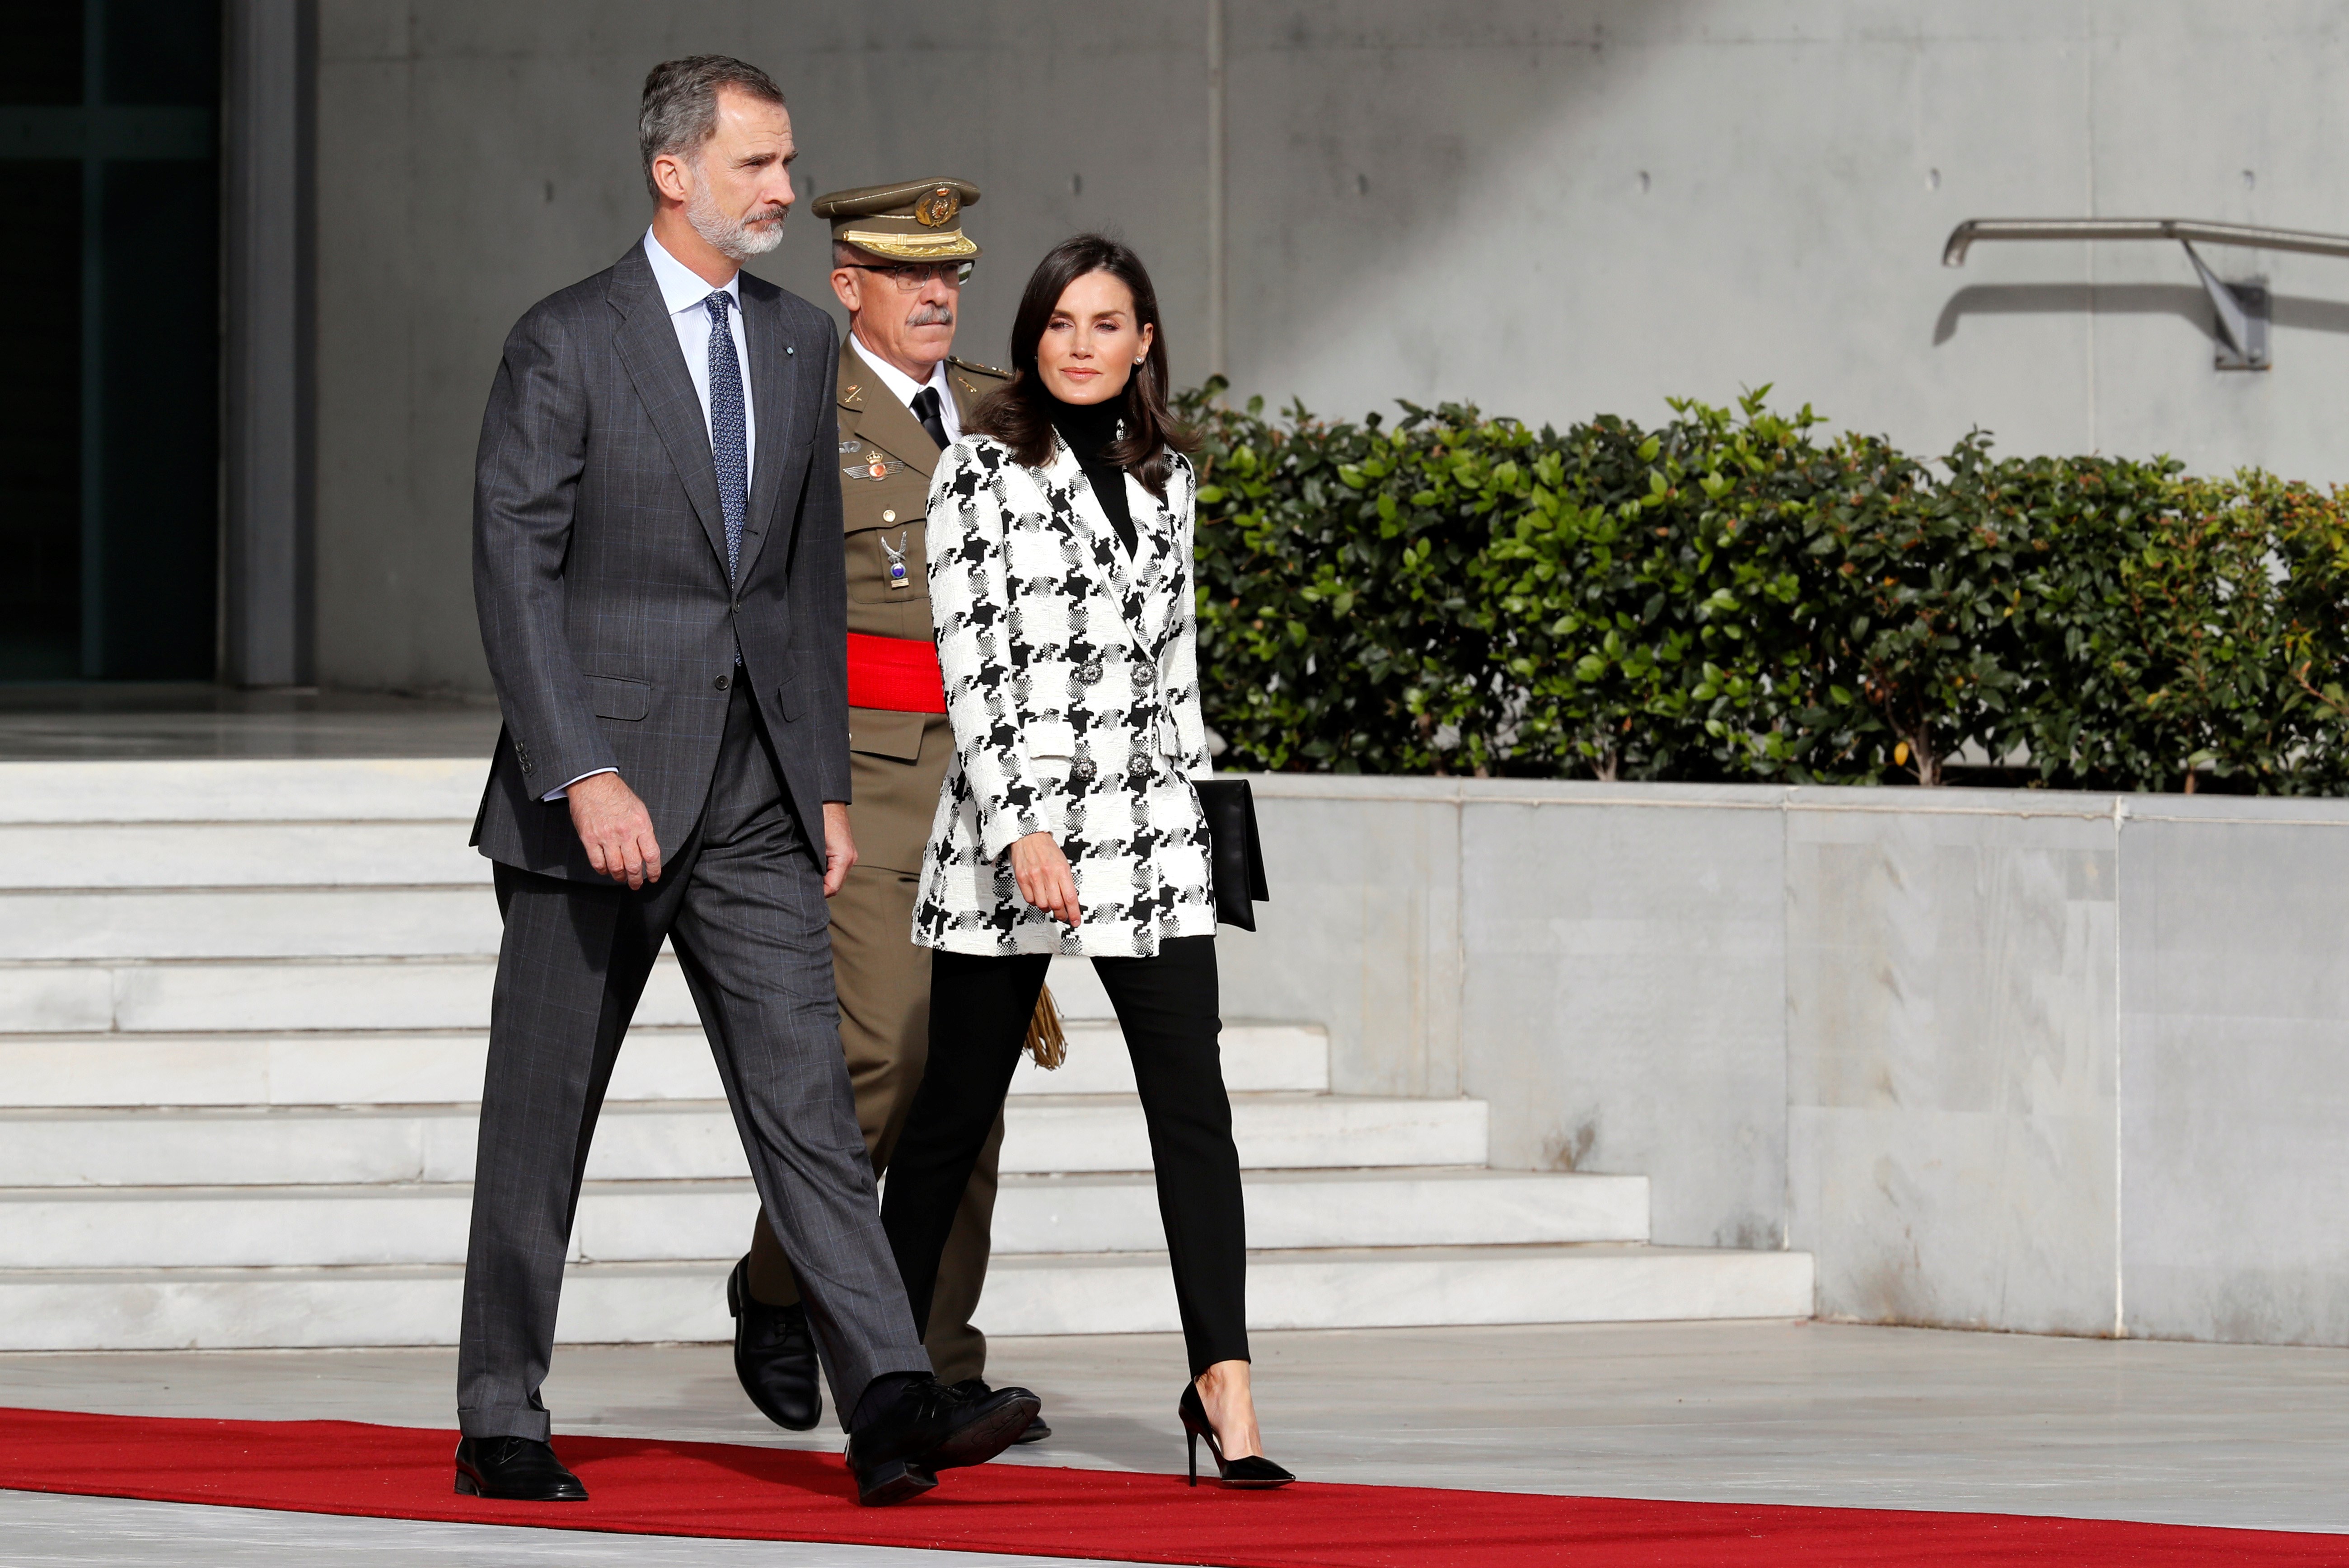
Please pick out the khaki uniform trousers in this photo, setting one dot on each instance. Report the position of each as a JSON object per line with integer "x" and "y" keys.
{"x": 884, "y": 982}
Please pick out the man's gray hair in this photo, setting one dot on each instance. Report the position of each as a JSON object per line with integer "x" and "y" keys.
{"x": 680, "y": 106}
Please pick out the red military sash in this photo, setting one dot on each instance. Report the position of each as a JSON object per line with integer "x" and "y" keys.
{"x": 898, "y": 674}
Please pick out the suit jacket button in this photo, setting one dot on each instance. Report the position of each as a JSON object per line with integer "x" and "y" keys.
{"x": 722, "y": 682}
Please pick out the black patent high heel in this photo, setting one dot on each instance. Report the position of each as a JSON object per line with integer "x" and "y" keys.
{"x": 1251, "y": 1470}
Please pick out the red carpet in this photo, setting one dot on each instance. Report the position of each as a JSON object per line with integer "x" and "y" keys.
{"x": 769, "y": 1495}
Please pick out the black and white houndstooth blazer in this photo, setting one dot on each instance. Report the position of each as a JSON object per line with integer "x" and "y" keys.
{"x": 1071, "y": 678}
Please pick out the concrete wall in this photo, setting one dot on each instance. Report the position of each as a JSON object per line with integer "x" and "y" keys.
{"x": 1550, "y": 209}
{"x": 2050, "y": 1063}
{"x": 480, "y": 154}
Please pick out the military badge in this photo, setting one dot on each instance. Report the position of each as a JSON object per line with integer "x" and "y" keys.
{"x": 880, "y": 468}
{"x": 898, "y": 576}
{"x": 937, "y": 207}
{"x": 850, "y": 446}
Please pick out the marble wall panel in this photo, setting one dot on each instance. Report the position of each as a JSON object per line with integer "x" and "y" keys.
{"x": 1623, "y": 1002}
{"x": 1949, "y": 1027}
{"x": 2235, "y": 1071}
{"x": 1999, "y": 1061}
{"x": 1361, "y": 934}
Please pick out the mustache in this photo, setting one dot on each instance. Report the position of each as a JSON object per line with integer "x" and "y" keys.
{"x": 931, "y": 316}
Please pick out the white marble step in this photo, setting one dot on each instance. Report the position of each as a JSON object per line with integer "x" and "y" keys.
{"x": 172, "y": 1309}
{"x": 678, "y": 1141}
{"x": 294, "y": 790}
{"x": 264, "y": 995}
{"x": 70, "y": 855}
{"x": 397, "y": 1067}
{"x": 1438, "y": 1206}
{"x": 1258, "y": 1059}
{"x": 1403, "y": 1287}
{"x": 1080, "y": 1134}
{"x": 251, "y": 923}
{"x": 642, "y": 1221}
{"x": 269, "y": 995}
{"x": 252, "y": 996}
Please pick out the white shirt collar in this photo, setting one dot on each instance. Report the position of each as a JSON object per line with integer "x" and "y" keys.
{"x": 681, "y": 287}
{"x": 901, "y": 386}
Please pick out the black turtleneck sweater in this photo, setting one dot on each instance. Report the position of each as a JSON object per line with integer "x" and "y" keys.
{"x": 1088, "y": 427}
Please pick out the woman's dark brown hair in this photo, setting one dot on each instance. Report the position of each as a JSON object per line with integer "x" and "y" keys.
{"x": 1019, "y": 413}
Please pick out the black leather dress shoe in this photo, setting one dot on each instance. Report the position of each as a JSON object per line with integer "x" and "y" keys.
{"x": 928, "y": 1427}
{"x": 523, "y": 1469}
{"x": 774, "y": 1355}
{"x": 976, "y": 1388}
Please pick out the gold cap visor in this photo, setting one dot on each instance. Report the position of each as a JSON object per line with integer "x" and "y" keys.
{"x": 919, "y": 245}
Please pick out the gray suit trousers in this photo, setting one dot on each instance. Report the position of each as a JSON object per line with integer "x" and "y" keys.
{"x": 743, "y": 905}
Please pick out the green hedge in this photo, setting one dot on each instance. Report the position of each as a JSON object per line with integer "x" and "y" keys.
{"x": 1735, "y": 596}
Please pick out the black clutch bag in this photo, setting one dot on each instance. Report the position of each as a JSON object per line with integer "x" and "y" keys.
{"x": 1235, "y": 856}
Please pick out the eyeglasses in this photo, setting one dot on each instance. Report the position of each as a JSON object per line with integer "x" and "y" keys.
{"x": 910, "y": 277}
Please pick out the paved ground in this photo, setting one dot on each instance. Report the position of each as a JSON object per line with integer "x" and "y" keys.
{"x": 130, "y": 719}
{"x": 2193, "y": 1434}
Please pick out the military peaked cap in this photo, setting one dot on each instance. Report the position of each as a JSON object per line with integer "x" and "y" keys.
{"x": 912, "y": 221}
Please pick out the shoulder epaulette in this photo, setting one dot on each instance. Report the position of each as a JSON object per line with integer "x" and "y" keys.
{"x": 977, "y": 369}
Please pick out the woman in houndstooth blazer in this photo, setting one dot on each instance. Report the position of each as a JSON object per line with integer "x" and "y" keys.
{"x": 1060, "y": 592}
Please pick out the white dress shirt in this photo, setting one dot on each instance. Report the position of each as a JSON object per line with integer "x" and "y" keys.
{"x": 686, "y": 295}
{"x": 904, "y": 387}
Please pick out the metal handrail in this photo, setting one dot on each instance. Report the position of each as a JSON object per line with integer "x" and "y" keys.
{"x": 1954, "y": 255}
{"x": 2241, "y": 308}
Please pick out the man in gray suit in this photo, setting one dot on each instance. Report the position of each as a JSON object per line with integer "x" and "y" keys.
{"x": 656, "y": 563}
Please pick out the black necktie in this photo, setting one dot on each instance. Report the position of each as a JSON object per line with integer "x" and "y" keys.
{"x": 925, "y": 409}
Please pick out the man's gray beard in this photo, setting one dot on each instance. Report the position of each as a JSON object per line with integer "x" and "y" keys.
{"x": 931, "y": 316}
{"x": 732, "y": 238}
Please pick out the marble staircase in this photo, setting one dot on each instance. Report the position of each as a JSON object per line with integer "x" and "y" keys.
{"x": 242, "y": 1019}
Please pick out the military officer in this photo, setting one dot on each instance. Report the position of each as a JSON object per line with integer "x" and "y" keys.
{"x": 899, "y": 259}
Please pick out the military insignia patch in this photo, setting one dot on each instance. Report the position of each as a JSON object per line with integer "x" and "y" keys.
{"x": 937, "y": 207}
{"x": 850, "y": 446}
{"x": 878, "y": 468}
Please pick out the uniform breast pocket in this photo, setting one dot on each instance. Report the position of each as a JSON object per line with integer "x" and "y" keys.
{"x": 887, "y": 563}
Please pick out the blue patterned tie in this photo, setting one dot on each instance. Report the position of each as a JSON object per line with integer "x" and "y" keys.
{"x": 729, "y": 442}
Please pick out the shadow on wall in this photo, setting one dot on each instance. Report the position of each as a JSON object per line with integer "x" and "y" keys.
{"x": 2184, "y": 300}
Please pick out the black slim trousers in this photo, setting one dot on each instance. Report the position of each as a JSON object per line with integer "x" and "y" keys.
{"x": 979, "y": 1008}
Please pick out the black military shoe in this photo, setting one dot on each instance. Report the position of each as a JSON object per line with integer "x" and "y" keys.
{"x": 976, "y": 1388}
{"x": 925, "y": 1427}
{"x": 774, "y": 1355}
{"x": 523, "y": 1469}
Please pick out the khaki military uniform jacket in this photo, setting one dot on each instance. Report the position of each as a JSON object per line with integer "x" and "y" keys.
{"x": 897, "y": 760}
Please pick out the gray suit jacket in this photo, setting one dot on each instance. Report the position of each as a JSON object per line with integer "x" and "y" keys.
{"x": 599, "y": 564}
